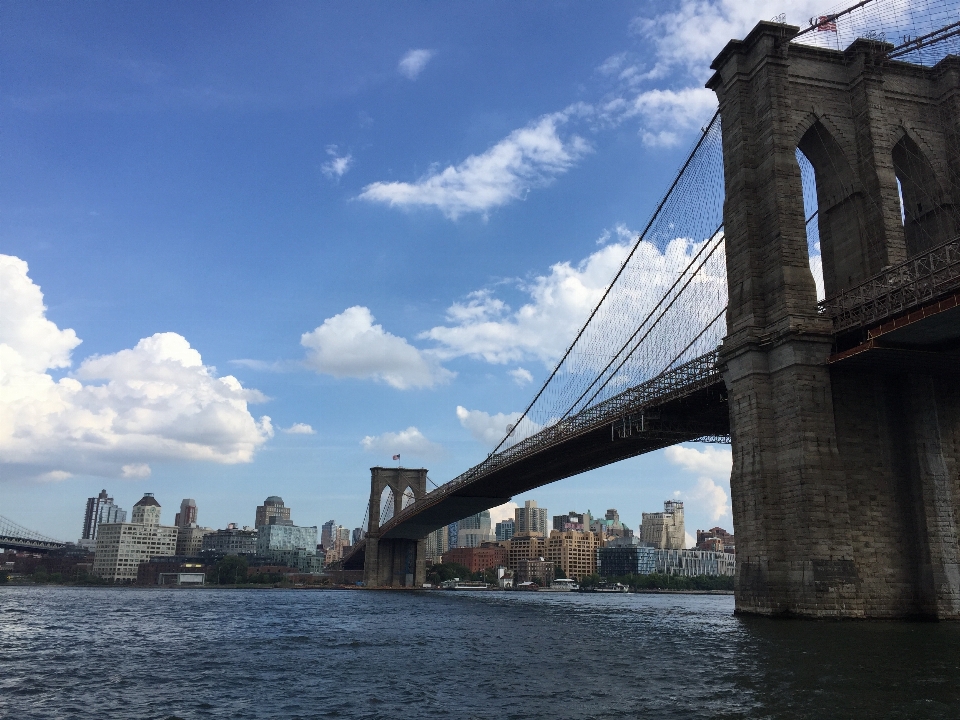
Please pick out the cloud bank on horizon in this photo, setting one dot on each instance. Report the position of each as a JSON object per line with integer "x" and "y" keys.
{"x": 115, "y": 413}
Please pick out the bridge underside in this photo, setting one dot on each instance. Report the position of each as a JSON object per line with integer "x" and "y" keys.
{"x": 700, "y": 414}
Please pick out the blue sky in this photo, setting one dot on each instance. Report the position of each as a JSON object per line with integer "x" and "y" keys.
{"x": 383, "y": 221}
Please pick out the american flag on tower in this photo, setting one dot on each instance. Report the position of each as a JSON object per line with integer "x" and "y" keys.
{"x": 396, "y": 457}
{"x": 827, "y": 23}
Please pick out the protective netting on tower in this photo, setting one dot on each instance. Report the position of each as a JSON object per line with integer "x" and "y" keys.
{"x": 664, "y": 306}
{"x": 922, "y": 32}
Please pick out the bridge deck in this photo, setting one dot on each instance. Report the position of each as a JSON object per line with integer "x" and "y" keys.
{"x": 685, "y": 403}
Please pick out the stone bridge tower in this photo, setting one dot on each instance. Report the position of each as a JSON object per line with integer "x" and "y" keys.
{"x": 846, "y": 477}
{"x": 395, "y": 562}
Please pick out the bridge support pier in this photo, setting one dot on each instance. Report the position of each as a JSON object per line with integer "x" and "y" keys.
{"x": 846, "y": 479}
{"x": 394, "y": 562}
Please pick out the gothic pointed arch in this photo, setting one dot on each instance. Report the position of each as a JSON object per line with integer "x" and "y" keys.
{"x": 840, "y": 216}
{"x": 929, "y": 219}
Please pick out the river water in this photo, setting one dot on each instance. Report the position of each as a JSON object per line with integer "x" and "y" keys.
{"x": 130, "y": 654}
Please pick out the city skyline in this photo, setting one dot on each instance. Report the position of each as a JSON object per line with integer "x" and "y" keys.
{"x": 382, "y": 248}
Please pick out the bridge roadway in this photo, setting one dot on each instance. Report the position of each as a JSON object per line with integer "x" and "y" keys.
{"x": 906, "y": 316}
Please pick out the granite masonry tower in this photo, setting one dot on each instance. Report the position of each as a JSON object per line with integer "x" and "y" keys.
{"x": 846, "y": 477}
{"x": 394, "y": 562}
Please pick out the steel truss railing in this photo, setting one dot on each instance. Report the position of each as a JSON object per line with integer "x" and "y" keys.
{"x": 897, "y": 289}
{"x": 11, "y": 532}
{"x": 684, "y": 380}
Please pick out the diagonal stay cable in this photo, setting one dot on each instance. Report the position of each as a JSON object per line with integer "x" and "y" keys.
{"x": 640, "y": 327}
{"x": 656, "y": 213}
{"x": 699, "y": 335}
{"x": 650, "y": 329}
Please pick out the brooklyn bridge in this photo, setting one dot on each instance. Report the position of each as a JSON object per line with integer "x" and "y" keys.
{"x": 815, "y": 327}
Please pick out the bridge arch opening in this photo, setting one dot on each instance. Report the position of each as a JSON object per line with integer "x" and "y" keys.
{"x": 386, "y": 504}
{"x": 838, "y": 215}
{"x": 927, "y": 221}
{"x": 409, "y": 498}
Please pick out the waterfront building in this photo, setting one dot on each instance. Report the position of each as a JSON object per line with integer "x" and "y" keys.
{"x": 504, "y": 530}
{"x": 231, "y": 541}
{"x": 575, "y": 552}
{"x": 358, "y": 535}
{"x": 665, "y": 530}
{"x": 626, "y": 556}
{"x": 530, "y": 519}
{"x": 121, "y": 547}
{"x": 474, "y": 530}
{"x": 690, "y": 563}
{"x": 436, "y": 545}
{"x": 285, "y": 536}
{"x": 100, "y": 510}
{"x": 291, "y": 545}
{"x": 190, "y": 540}
{"x": 524, "y": 547}
{"x": 535, "y": 570}
{"x": 484, "y": 557}
{"x": 453, "y": 534}
{"x": 152, "y": 572}
{"x": 272, "y": 507}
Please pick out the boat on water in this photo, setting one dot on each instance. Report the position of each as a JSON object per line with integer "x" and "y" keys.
{"x": 561, "y": 585}
{"x": 615, "y": 588}
{"x": 469, "y": 585}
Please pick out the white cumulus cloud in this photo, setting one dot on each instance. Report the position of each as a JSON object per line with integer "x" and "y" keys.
{"x": 300, "y": 429}
{"x": 135, "y": 470}
{"x": 521, "y": 376}
{"x": 488, "y": 429}
{"x": 406, "y": 442}
{"x": 351, "y": 345}
{"x": 413, "y": 63}
{"x": 712, "y": 465}
{"x": 484, "y": 326}
{"x": 156, "y": 401}
{"x": 502, "y": 512}
{"x": 337, "y": 165}
{"x": 713, "y": 461}
{"x": 527, "y": 158}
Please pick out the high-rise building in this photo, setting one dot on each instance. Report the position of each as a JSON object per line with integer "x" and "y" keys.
{"x": 272, "y": 508}
{"x": 504, "y": 530}
{"x": 530, "y": 519}
{"x": 328, "y": 534}
{"x": 665, "y": 530}
{"x": 358, "y": 535}
{"x": 474, "y": 530}
{"x": 453, "y": 535}
{"x": 187, "y": 517}
{"x": 575, "y": 552}
{"x": 100, "y": 509}
{"x": 121, "y": 547}
{"x": 571, "y": 521}
{"x": 610, "y": 526}
{"x": 436, "y": 545}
